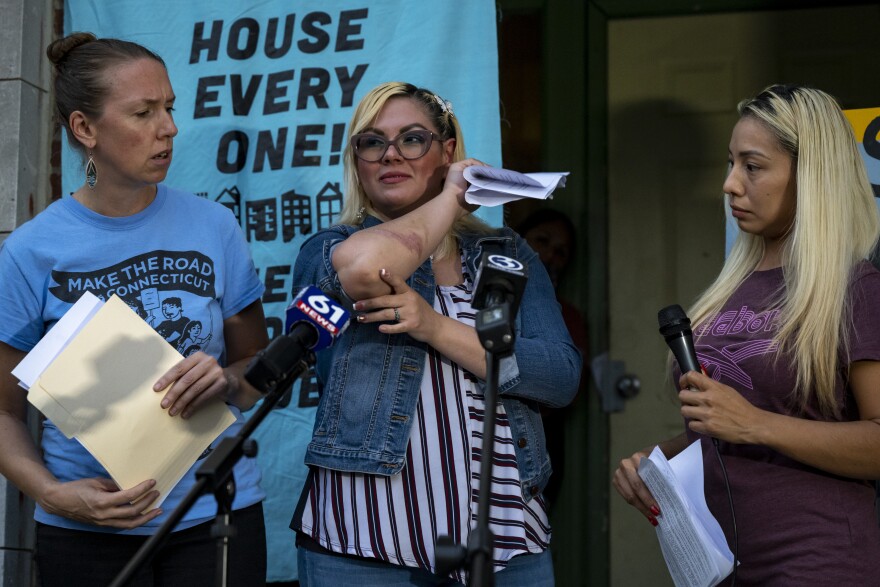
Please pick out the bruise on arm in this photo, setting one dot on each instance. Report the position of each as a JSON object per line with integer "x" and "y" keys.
{"x": 359, "y": 259}
{"x": 410, "y": 241}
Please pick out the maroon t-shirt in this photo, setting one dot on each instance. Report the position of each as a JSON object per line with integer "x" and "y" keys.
{"x": 797, "y": 525}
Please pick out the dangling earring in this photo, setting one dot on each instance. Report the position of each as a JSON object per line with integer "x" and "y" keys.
{"x": 91, "y": 172}
{"x": 360, "y": 214}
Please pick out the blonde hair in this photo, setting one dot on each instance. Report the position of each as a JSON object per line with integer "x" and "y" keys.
{"x": 835, "y": 226}
{"x": 439, "y": 112}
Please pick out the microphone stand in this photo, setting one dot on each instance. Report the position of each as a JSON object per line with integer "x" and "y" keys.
{"x": 494, "y": 325}
{"x": 215, "y": 474}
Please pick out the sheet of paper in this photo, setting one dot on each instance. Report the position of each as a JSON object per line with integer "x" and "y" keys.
{"x": 687, "y": 467}
{"x": 36, "y": 361}
{"x": 690, "y": 538}
{"x": 99, "y": 390}
{"x": 53, "y": 410}
{"x": 493, "y": 186}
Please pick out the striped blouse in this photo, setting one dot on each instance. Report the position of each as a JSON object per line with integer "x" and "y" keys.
{"x": 398, "y": 519}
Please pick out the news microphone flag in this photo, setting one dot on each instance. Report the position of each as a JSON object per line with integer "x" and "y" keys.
{"x": 317, "y": 308}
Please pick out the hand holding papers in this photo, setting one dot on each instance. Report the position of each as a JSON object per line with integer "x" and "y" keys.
{"x": 95, "y": 382}
{"x": 492, "y": 186}
{"x": 690, "y": 537}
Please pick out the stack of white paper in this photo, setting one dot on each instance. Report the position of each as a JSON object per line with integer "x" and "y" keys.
{"x": 691, "y": 539}
{"x": 492, "y": 186}
{"x": 92, "y": 375}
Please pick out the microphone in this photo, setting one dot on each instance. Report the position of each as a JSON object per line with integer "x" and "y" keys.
{"x": 498, "y": 288}
{"x": 675, "y": 327}
{"x": 314, "y": 320}
{"x": 499, "y": 279}
{"x": 318, "y": 315}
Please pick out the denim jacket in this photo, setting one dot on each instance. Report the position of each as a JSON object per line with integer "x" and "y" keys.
{"x": 370, "y": 381}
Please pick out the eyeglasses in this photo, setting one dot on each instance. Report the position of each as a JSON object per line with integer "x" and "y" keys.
{"x": 410, "y": 145}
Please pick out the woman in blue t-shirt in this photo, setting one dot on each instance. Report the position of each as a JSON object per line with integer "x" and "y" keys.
{"x": 168, "y": 255}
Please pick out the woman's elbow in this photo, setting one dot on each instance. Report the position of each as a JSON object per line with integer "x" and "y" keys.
{"x": 358, "y": 277}
{"x": 571, "y": 373}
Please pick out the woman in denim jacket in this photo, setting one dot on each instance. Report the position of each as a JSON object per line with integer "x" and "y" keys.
{"x": 396, "y": 449}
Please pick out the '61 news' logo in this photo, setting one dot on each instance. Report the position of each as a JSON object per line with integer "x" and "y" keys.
{"x": 314, "y": 306}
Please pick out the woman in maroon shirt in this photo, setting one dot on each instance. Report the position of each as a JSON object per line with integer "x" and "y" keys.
{"x": 789, "y": 339}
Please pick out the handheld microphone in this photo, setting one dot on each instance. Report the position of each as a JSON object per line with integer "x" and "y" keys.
{"x": 314, "y": 321}
{"x": 675, "y": 327}
{"x": 499, "y": 279}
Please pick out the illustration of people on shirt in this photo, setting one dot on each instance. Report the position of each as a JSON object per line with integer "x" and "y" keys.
{"x": 172, "y": 327}
{"x": 190, "y": 341}
{"x": 136, "y": 308}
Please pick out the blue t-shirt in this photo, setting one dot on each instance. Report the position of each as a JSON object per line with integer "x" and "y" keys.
{"x": 182, "y": 264}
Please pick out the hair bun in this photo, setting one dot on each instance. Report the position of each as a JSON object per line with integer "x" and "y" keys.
{"x": 58, "y": 50}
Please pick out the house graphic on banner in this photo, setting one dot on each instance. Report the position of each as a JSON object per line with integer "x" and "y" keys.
{"x": 296, "y": 215}
{"x": 329, "y": 201}
{"x": 231, "y": 198}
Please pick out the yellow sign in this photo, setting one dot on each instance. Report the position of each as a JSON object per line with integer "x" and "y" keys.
{"x": 866, "y": 124}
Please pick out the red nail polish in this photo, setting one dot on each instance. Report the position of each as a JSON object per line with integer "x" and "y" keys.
{"x": 655, "y": 510}
{"x": 653, "y": 520}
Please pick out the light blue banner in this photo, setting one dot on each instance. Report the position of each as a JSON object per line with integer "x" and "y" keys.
{"x": 265, "y": 91}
